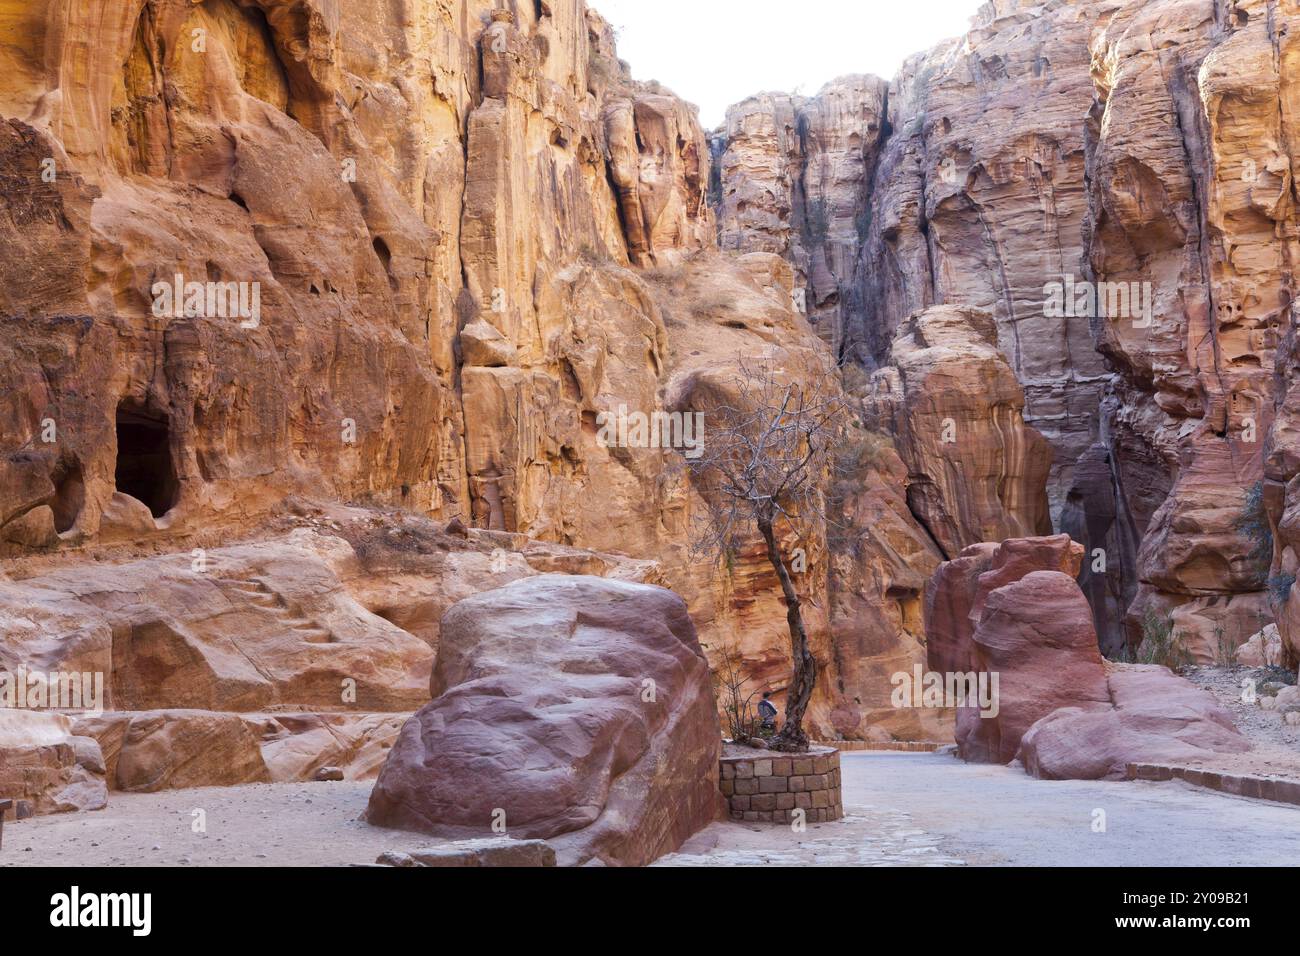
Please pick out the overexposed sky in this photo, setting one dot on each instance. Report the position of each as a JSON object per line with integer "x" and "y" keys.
{"x": 717, "y": 52}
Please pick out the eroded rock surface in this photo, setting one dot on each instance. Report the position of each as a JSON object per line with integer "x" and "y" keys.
{"x": 572, "y": 709}
{"x": 976, "y": 471}
{"x": 1060, "y": 708}
{"x": 47, "y": 765}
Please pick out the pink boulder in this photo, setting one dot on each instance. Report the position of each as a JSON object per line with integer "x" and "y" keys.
{"x": 1157, "y": 718}
{"x": 578, "y": 710}
{"x": 1036, "y": 634}
{"x": 1013, "y": 616}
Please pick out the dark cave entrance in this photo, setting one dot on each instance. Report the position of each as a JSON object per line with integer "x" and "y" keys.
{"x": 145, "y": 470}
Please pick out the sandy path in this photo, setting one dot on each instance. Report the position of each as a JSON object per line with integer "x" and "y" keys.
{"x": 288, "y": 824}
{"x": 931, "y": 809}
{"x": 902, "y": 809}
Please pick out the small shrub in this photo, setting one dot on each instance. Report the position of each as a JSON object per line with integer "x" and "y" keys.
{"x": 737, "y": 710}
{"x": 1225, "y": 648}
{"x": 1252, "y": 524}
{"x": 667, "y": 274}
{"x": 1160, "y": 645}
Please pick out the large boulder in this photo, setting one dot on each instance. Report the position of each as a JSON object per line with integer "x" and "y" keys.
{"x": 1157, "y": 718}
{"x": 573, "y": 709}
{"x": 1037, "y": 635}
{"x": 955, "y": 596}
{"x": 175, "y": 749}
{"x": 1015, "y": 613}
{"x": 47, "y": 766}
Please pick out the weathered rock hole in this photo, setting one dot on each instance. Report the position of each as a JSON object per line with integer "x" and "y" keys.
{"x": 145, "y": 469}
{"x": 386, "y": 258}
{"x": 69, "y": 495}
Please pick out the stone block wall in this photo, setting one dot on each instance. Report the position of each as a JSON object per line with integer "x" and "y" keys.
{"x": 770, "y": 787}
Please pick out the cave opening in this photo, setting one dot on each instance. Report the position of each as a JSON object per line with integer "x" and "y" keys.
{"x": 145, "y": 469}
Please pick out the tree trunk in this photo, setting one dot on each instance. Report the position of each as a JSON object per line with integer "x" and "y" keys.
{"x": 792, "y": 737}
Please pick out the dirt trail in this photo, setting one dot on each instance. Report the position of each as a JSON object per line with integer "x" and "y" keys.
{"x": 902, "y": 809}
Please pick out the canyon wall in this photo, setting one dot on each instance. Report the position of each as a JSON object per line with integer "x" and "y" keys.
{"x": 461, "y": 233}
{"x": 1112, "y": 182}
{"x": 795, "y": 175}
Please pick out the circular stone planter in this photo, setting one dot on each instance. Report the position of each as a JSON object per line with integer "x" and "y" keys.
{"x": 765, "y": 786}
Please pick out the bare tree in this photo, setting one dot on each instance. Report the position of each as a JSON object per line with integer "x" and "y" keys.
{"x": 764, "y": 459}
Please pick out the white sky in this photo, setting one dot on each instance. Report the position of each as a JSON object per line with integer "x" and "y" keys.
{"x": 717, "y": 52}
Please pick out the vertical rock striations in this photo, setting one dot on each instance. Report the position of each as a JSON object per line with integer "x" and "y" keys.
{"x": 1112, "y": 181}
{"x": 795, "y": 176}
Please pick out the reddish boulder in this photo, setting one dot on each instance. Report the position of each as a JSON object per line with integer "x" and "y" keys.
{"x": 1157, "y": 718}
{"x": 1018, "y": 557}
{"x": 1014, "y": 616}
{"x": 955, "y": 597}
{"x": 1036, "y": 635}
{"x": 578, "y": 710}
{"x": 949, "y": 600}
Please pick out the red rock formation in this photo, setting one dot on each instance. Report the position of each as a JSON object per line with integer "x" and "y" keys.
{"x": 1036, "y": 634}
{"x": 976, "y": 471}
{"x": 1059, "y": 708}
{"x": 572, "y": 709}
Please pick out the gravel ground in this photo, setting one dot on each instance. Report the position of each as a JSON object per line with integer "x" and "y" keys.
{"x": 1277, "y": 745}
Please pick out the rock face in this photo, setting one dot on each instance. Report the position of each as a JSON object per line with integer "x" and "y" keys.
{"x": 572, "y": 709}
{"x": 1110, "y": 180}
{"x": 1060, "y": 709}
{"x": 463, "y": 200}
{"x": 1188, "y": 203}
{"x": 972, "y": 194}
{"x": 795, "y": 175}
{"x": 1263, "y": 649}
{"x": 977, "y": 472}
{"x": 493, "y": 237}
{"x": 48, "y": 767}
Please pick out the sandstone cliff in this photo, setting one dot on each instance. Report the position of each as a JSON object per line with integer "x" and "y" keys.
{"x": 289, "y": 281}
{"x": 1111, "y": 181}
